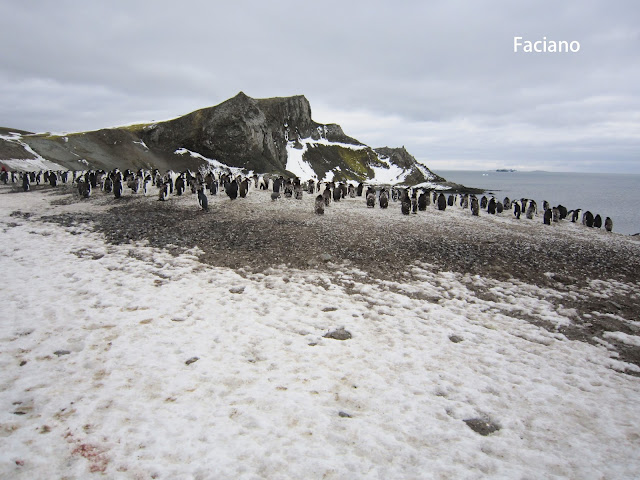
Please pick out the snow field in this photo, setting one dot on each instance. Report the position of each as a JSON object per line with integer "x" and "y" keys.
{"x": 268, "y": 396}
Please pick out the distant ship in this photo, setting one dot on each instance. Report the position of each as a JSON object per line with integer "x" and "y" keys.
{"x": 506, "y": 170}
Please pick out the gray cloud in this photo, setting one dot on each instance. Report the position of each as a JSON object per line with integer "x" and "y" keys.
{"x": 439, "y": 77}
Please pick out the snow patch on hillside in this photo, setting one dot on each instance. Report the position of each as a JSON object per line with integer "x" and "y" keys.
{"x": 214, "y": 164}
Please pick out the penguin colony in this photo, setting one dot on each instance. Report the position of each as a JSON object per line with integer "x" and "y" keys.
{"x": 412, "y": 200}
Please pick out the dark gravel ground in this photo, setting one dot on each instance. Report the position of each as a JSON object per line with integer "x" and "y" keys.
{"x": 256, "y": 234}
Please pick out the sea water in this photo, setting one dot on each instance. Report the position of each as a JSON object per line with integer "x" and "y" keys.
{"x": 610, "y": 195}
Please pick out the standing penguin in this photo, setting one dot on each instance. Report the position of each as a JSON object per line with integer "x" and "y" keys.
{"x": 475, "y": 207}
{"x": 319, "y": 205}
{"x": 232, "y": 190}
{"x": 202, "y": 199}
{"x": 384, "y": 199}
{"x": 547, "y": 217}
{"x": 516, "y": 210}
{"x": 422, "y": 201}
{"x": 244, "y": 188}
{"x": 491, "y": 207}
{"x": 162, "y": 194}
{"x": 608, "y": 224}
{"x": 597, "y": 221}
{"x": 26, "y": 183}
{"x": 587, "y": 219}
{"x": 442, "y": 202}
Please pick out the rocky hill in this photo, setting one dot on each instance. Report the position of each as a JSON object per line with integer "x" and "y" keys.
{"x": 271, "y": 135}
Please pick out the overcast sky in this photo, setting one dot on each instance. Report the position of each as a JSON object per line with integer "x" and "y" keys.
{"x": 439, "y": 77}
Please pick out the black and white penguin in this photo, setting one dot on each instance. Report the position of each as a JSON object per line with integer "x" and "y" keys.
{"x": 608, "y": 224}
{"x": 575, "y": 216}
{"x": 414, "y": 203}
{"x": 359, "y": 189}
{"x": 547, "y": 217}
{"x": 163, "y": 194}
{"x": 442, "y": 202}
{"x": 384, "y": 198}
{"x": 555, "y": 212}
{"x": 326, "y": 195}
{"x": 423, "y": 198}
{"x": 337, "y": 194}
{"x": 475, "y": 207}
{"x": 371, "y": 199}
{"x": 562, "y": 211}
{"x": 499, "y": 207}
{"x": 451, "y": 200}
{"x": 516, "y": 210}
{"x": 319, "y": 205}
{"x": 243, "y": 188}
{"x": 232, "y": 189}
{"x": 405, "y": 206}
{"x": 491, "y": 207}
{"x": 26, "y": 182}
{"x": 587, "y": 219}
{"x": 597, "y": 221}
{"x": 202, "y": 199}
{"x": 531, "y": 210}
{"x": 506, "y": 203}
{"x": 483, "y": 202}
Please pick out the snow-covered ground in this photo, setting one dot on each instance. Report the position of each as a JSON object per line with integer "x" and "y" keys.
{"x": 125, "y": 361}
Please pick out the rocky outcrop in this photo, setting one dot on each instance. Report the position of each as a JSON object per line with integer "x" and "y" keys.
{"x": 261, "y": 135}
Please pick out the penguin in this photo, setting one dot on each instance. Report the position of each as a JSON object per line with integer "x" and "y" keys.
{"x": 371, "y": 200}
{"x": 608, "y": 224}
{"x": 530, "y": 211}
{"x": 442, "y": 202}
{"x": 516, "y": 210}
{"x": 180, "y": 186}
{"x": 26, "y": 182}
{"x": 405, "y": 206}
{"x": 562, "y": 212}
{"x": 575, "y": 216}
{"x": 297, "y": 192}
{"x": 53, "y": 179}
{"x": 244, "y": 188}
{"x": 107, "y": 186}
{"x": 117, "y": 186}
{"x": 352, "y": 191}
{"x": 597, "y": 221}
{"x": 384, "y": 199}
{"x": 359, "y": 189}
{"x": 422, "y": 201}
{"x": 475, "y": 207}
{"x": 491, "y": 207}
{"x": 499, "y": 207}
{"x": 414, "y": 203}
{"x": 319, "y": 205}
{"x": 465, "y": 201}
{"x": 547, "y": 217}
{"x": 451, "y": 200}
{"x": 587, "y": 219}
{"x": 326, "y": 195}
{"x": 275, "y": 196}
{"x": 483, "y": 202}
{"x": 545, "y": 205}
{"x": 202, "y": 199}
{"x": 555, "y": 212}
{"x": 506, "y": 203}
{"x": 232, "y": 190}
{"x": 162, "y": 194}
{"x": 337, "y": 194}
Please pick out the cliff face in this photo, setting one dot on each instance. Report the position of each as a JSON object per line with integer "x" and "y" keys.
{"x": 272, "y": 135}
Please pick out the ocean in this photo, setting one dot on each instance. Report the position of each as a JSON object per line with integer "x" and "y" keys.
{"x": 610, "y": 195}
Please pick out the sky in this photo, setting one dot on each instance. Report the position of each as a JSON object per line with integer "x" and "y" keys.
{"x": 440, "y": 78}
